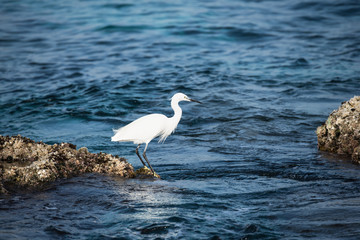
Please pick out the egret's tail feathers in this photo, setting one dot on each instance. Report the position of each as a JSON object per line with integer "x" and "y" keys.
{"x": 121, "y": 135}
{"x": 116, "y": 130}
{"x": 116, "y": 137}
{"x": 119, "y": 139}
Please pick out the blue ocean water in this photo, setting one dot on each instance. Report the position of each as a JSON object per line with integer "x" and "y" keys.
{"x": 242, "y": 165}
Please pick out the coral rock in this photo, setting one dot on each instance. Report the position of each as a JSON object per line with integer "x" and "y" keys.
{"x": 341, "y": 132}
{"x": 26, "y": 164}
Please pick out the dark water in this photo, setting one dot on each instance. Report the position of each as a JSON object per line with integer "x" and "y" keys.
{"x": 243, "y": 165}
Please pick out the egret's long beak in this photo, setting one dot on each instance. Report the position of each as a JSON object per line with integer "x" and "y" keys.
{"x": 192, "y": 100}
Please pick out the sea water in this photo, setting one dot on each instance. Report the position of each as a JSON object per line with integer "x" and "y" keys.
{"x": 242, "y": 165}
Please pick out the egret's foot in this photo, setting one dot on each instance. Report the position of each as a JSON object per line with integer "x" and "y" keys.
{"x": 146, "y": 171}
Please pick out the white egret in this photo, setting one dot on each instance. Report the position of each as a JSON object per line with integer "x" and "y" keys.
{"x": 148, "y": 127}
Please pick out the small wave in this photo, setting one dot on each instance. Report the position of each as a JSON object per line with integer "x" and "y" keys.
{"x": 306, "y": 5}
{"x": 189, "y": 32}
{"x": 92, "y": 90}
{"x": 316, "y": 19}
{"x": 301, "y": 62}
{"x": 262, "y": 118}
{"x": 248, "y": 35}
{"x": 55, "y": 230}
{"x": 348, "y": 11}
{"x": 123, "y": 28}
{"x": 155, "y": 229}
{"x": 75, "y": 75}
{"x": 107, "y": 43}
{"x": 117, "y": 6}
{"x": 176, "y": 219}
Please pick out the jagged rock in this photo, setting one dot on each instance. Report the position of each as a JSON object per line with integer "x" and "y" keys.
{"x": 26, "y": 164}
{"x": 341, "y": 132}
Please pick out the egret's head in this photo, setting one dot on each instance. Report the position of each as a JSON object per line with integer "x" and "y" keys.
{"x": 182, "y": 97}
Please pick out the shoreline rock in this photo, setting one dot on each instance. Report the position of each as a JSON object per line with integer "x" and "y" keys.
{"x": 340, "y": 133}
{"x": 29, "y": 165}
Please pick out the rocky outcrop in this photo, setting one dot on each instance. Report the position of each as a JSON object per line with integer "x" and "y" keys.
{"x": 28, "y": 165}
{"x": 341, "y": 132}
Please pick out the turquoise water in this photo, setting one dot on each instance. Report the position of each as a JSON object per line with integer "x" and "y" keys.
{"x": 243, "y": 165}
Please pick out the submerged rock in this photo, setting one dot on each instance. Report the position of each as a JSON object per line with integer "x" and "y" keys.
{"x": 341, "y": 132}
{"x": 26, "y": 164}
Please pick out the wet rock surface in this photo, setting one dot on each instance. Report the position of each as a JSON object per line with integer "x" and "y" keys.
{"x": 145, "y": 172}
{"x": 29, "y": 165}
{"x": 341, "y": 132}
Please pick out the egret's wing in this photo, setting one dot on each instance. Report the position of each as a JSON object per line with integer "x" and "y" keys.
{"x": 141, "y": 130}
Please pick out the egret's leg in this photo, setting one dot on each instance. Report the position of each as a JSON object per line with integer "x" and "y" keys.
{"x": 144, "y": 155}
{"x": 137, "y": 153}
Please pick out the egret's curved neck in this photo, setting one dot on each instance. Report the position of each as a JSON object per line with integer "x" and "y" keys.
{"x": 177, "y": 111}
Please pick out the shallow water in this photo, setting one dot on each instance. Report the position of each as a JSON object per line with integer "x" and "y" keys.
{"x": 242, "y": 165}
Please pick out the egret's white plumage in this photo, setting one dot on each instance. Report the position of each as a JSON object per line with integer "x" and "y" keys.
{"x": 139, "y": 131}
{"x": 148, "y": 127}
